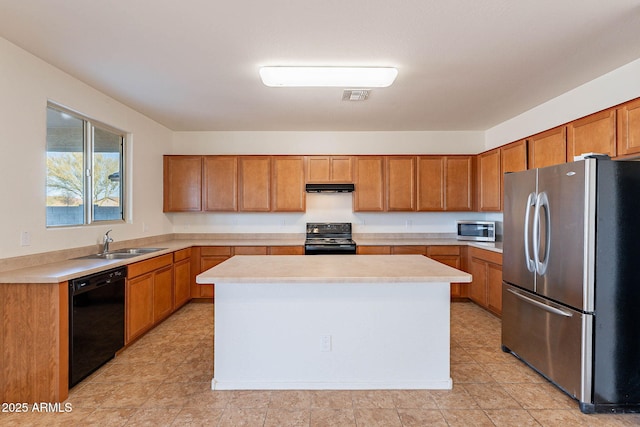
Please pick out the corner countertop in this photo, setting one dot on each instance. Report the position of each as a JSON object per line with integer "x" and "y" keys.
{"x": 331, "y": 269}
{"x": 60, "y": 266}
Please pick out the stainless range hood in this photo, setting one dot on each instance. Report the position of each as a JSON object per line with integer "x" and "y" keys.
{"x": 330, "y": 188}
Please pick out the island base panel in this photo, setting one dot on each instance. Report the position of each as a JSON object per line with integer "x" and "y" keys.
{"x": 332, "y": 336}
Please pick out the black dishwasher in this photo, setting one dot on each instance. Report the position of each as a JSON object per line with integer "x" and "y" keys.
{"x": 96, "y": 321}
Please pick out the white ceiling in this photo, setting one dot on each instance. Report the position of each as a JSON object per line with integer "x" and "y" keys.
{"x": 463, "y": 64}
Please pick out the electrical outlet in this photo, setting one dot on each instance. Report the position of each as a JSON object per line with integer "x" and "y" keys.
{"x": 325, "y": 342}
{"x": 25, "y": 238}
{"x": 408, "y": 223}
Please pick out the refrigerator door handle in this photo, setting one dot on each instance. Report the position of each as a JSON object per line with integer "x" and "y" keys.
{"x": 540, "y": 304}
{"x": 531, "y": 202}
{"x": 542, "y": 203}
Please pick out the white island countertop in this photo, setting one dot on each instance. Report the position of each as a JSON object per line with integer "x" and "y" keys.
{"x": 331, "y": 269}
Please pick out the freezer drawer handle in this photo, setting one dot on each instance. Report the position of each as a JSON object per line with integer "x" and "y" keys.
{"x": 541, "y": 305}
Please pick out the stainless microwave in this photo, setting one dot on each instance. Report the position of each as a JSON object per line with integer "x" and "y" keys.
{"x": 481, "y": 231}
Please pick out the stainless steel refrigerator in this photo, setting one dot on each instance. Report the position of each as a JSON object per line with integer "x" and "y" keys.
{"x": 571, "y": 279}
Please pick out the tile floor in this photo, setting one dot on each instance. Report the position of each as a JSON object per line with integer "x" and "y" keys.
{"x": 164, "y": 380}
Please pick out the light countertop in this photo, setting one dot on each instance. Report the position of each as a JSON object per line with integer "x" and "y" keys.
{"x": 331, "y": 269}
{"x": 52, "y": 269}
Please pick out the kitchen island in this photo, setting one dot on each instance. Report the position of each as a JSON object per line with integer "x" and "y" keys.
{"x": 331, "y": 322}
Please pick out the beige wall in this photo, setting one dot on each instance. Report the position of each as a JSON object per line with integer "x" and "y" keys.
{"x": 26, "y": 83}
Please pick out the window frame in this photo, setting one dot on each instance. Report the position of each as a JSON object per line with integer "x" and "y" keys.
{"x": 89, "y": 126}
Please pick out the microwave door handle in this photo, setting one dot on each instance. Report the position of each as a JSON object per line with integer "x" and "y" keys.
{"x": 531, "y": 201}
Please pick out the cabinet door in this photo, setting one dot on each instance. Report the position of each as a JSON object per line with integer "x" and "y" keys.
{"x": 430, "y": 183}
{"x": 254, "y": 180}
{"x": 401, "y": 183}
{"x": 369, "y": 181}
{"x": 341, "y": 169}
{"x": 181, "y": 282}
{"x": 548, "y": 148}
{"x": 318, "y": 169}
{"x": 513, "y": 159}
{"x": 287, "y": 181}
{"x": 478, "y": 286}
{"x": 162, "y": 293}
{"x": 494, "y": 288}
{"x": 220, "y": 190}
{"x": 629, "y": 128}
{"x": 139, "y": 303}
{"x": 593, "y": 134}
{"x": 182, "y": 183}
{"x": 489, "y": 180}
{"x": 459, "y": 183}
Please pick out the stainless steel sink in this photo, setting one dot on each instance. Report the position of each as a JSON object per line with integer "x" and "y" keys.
{"x": 135, "y": 251}
{"x": 122, "y": 253}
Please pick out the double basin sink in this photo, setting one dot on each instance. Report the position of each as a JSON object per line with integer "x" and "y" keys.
{"x": 122, "y": 253}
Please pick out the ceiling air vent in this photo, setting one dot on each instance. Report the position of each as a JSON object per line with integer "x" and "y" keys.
{"x": 355, "y": 94}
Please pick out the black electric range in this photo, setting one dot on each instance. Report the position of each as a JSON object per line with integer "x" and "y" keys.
{"x": 329, "y": 238}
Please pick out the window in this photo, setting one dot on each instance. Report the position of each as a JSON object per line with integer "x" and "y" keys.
{"x": 85, "y": 180}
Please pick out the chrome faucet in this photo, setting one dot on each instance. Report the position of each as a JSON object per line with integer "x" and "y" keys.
{"x": 106, "y": 240}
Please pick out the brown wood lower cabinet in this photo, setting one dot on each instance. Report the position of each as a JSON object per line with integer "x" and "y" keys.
{"x": 149, "y": 294}
{"x": 486, "y": 287}
{"x": 181, "y": 277}
{"x": 453, "y": 257}
{"x": 205, "y": 258}
{"x": 34, "y": 342}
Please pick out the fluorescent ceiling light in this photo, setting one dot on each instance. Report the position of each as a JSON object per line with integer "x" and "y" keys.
{"x": 328, "y": 76}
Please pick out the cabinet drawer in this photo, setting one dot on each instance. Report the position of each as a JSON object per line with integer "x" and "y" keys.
{"x": 181, "y": 254}
{"x": 409, "y": 250}
{"x": 215, "y": 250}
{"x": 373, "y": 250}
{"x": 443, "y": 250}
{"x": 142, "y": 267}
{"x": 489, "y": 256}
{"x": 250, "y": 250}
{"x": 286, "y": 250}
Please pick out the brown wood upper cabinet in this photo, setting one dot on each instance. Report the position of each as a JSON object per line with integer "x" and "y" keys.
{"x": 430, "y": 183}
{"x": 220, "y": 186}
{"x": 321, "y": 169}
{"x": 182, "y": 191}
{"x": 458, "y": 174}
{"x": 287, "y": 182}
{"x": 489, "y": 180}
{"x": 400, "y": 183}
{"x": 254, "y": 183}
{"x": 548, "y": 148}
{"x": 444, "y": 183}
{"x": 593, "y": 134}
{"x": 514, "y": 158}
{"x": 629, "y": 128}
{"x": 369, "y": 181}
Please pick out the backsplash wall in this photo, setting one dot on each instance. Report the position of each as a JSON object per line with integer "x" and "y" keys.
{"x": 324, "y": 208}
